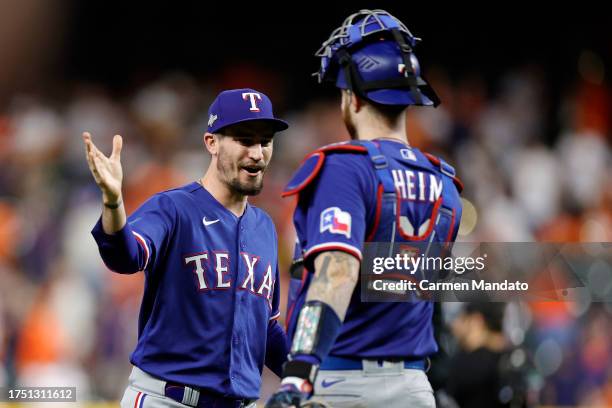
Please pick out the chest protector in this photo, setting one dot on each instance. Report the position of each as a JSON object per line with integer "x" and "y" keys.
{"x": 418, "y": 203}
{"x": 417, "y": 195}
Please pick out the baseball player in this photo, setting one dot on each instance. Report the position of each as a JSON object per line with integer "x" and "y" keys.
{"x": 208, "y": 317}
{"x": 376, "y": 188}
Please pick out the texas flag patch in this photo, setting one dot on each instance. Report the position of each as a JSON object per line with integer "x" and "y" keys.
{"x": 336, "y": 221}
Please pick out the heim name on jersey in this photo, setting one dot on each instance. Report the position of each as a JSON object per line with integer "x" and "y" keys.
{"x": 415, "y": 185}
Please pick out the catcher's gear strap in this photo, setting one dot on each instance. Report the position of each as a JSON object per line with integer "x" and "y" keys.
{"x": 408, "y": 69}
{"x": 312, "y": 164}
{"x": 317, "y": 328}
{"x": 417, "y": 85}
{"x": 446, "y": 169}
{"x": 381, "y": 167}
{"x": 387, "y": 197}
{"x": 387, "y": 194}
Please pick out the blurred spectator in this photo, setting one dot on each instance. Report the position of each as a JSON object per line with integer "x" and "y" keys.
{"x": 479, "y": 374}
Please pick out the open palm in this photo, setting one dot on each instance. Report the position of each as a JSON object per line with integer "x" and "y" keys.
{"x": 106, "y": 171}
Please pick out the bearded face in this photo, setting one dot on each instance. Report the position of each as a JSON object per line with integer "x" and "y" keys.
{"x": 244, "y": 153}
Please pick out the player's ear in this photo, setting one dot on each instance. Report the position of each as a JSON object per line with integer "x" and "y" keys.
{"x": 356, "y": 103}
{"x": 346, "y": 97}
{"x": 343, "y": 99}
{"x": 211, "y": 142}
{"x": 351, "y": 100}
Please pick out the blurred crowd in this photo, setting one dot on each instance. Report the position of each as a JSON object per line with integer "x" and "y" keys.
{"x": 66, "y": 319}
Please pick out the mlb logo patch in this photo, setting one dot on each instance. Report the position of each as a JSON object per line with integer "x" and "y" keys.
{"x": 336, "y": 221}
{"x": 408, "y": 154}
{"x": 212, "y": 119}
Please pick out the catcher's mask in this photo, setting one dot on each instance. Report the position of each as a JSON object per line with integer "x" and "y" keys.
{"x": 371, "y": 54}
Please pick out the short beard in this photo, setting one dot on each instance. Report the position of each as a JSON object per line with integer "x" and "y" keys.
{"x": 238, "y": 188}
{"x": 348, "y": 122}
{"x": 235, "y": 185}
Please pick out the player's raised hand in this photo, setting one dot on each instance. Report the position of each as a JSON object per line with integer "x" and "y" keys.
{"x": 106, "y": 171}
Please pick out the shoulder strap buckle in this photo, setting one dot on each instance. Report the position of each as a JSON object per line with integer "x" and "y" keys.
{"x": 447, "y": 169}
{"x": 379, "y": 161}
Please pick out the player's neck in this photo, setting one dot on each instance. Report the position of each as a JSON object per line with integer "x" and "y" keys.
{"x": 377, "y": 132}
{"x": 369, "y": 128}
{"x": 235, "y": 203}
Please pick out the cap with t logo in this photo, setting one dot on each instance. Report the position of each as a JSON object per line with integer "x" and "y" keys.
{"x": 242, "y": 105}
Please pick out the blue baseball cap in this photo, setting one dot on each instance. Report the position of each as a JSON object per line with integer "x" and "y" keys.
{"x": 242, "y": 105}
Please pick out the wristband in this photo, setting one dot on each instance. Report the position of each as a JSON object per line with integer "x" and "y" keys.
{"x": 302, "y": 370}
{"x": 114, "y": 206}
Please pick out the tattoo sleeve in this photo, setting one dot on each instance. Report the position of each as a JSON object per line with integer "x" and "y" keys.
{"x": 336, "y": 275}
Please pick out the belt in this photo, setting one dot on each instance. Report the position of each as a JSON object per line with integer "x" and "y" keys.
{"x": 344, "y": 363}
{"x": 195, "y": 397}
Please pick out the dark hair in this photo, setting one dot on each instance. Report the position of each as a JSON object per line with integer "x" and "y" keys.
{"x": 491, "y": 312}
{"x": 390, "y": 113}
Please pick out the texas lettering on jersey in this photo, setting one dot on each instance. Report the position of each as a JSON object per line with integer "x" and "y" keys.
{"x": 212, "y": 272}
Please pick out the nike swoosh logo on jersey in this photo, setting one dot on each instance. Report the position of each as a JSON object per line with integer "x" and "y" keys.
{"x": 208, "y": 223}
{"x": 325, "y": 383}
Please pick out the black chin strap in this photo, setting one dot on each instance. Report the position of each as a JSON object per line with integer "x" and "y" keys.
{"x": 409, "y": 73}
{"x": 351, "y": 75}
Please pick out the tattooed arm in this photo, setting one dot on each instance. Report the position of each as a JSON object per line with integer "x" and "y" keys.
{"x": 318, "y": 325}
{"x": 336, "y": 275}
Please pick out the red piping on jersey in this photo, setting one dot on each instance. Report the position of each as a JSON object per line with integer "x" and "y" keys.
{"x": 312, "y": 175}
{"x": 144, "y": 246}
{"x": 378, "y": 209}
{"x": 450, "y": 229}
{"x": 333, "y": 247}
{"x": 436, "y": 162}
{"x": 434, "y": 213}
{"x": 321, "y": 153}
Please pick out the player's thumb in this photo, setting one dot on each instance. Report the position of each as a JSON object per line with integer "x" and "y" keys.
{"x": 117, "y": 145}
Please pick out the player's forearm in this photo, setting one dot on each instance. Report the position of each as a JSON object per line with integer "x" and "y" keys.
{"x": 113, "y": 215}
{"x": 336, "y": 275}
{"x": 320, "y": 319}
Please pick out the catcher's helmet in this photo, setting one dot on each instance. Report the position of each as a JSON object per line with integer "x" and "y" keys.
{"x": 371, "y": 54}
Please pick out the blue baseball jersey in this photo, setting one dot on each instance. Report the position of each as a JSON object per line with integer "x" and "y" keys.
{"x": 341, "y": 206}
{"x": 211, "y": 293}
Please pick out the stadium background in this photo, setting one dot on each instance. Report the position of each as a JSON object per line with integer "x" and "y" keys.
{"x": 525, "y": 119}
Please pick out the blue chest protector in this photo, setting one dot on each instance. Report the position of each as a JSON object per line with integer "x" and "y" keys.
{"x": 387, "y": 329}
{"x": 444, "y": 215}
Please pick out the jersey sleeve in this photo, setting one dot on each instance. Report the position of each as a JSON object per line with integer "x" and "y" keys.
{"x": 333, "y": 213}
{"x": 277, "y": 348}
{"x": 275, "y": 313}
{"x": 138, "y": 245}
